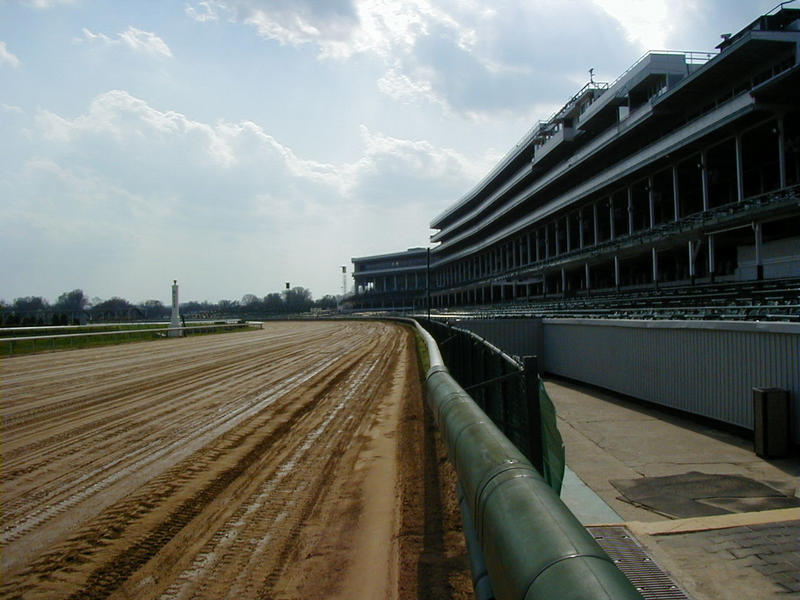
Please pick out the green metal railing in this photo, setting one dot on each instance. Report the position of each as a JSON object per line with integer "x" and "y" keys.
{"x": 518, "y": 530}
{"x": 510, "y": 392}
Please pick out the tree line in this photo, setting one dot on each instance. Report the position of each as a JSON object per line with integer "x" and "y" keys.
{"x": 75, "y": 308}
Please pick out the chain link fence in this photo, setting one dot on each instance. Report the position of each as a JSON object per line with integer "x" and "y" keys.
{"x": 511, "y": 393}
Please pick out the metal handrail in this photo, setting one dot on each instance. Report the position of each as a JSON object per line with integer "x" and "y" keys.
{"x": 64, "y": 336}
{"x": 70, "y": 336}
{"x": 532, "y": 545}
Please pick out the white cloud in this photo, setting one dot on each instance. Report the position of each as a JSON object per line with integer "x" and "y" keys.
{"x": 401, "y": 87}
{"x": 295, "y": 23}
{"x": 149, "y": 188}
{"x": 144, "y": 41}
{"x": 647, "y": 23}
{"x": 340, "y": 28}
{"x": 95, "y": 37}
{"x": 7, "y": 57}
{"x": 11, "y": 108}
{"x": 684, "y": 25}
{"x": 414, "y": 158}
{"x": 150, "y": 151}
{"x": 45, "y": 4}
{"x": 135, "y": 39}
{"x": 203, "y": 11}
{"x": 466, "y": 59}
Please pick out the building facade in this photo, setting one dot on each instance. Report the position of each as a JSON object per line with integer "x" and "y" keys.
{"x": 685, "y": 169}
{"x": 397, "y": 281}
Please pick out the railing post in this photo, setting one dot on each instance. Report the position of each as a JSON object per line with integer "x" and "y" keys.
{"x": 543, "y": 551}
{"x": 502, "y": 386}
{"x": 464, "y": 351}
{"x": 486, "y": 373}
{"x": 470, "y": 362}
{"x": 531, "y": 375}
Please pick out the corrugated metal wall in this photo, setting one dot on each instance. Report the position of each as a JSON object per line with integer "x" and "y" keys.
{"x": 704, "y": 368}
{"x": 517, "y": 337}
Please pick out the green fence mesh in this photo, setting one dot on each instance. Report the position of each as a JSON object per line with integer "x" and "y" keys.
{"x": 552, "y": 444}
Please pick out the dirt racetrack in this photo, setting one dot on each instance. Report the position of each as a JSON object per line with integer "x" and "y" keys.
{"x": 295, "y": 461}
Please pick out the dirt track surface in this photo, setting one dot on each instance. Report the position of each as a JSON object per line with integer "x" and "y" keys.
{"x": 293, "y": 462}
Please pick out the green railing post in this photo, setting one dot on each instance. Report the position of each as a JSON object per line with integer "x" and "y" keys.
{"x": 531, "y": 378}
{"x": 533, "y": 547}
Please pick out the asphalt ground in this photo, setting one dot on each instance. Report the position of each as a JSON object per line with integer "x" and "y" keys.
{"x": 720, "y": 521}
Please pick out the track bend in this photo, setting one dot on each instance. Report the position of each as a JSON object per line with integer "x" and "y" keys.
{"x": 202, "y": 467}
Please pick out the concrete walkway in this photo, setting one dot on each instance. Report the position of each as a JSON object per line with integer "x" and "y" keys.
{"x": 745, "y": 552}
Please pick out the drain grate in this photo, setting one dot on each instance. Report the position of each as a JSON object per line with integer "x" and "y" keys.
{"x": 641, "y": 570}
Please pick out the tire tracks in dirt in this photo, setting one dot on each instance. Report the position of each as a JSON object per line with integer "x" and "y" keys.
{"x": 201, "y": 485}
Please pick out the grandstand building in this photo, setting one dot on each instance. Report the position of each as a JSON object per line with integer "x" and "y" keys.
{"x": 683, "y": 172}
{"x": 396, "y": 281}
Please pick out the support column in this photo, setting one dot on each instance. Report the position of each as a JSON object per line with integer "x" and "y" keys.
{"x": 651, "y": 201}
{"x": 711, "y": 257}
{"x": 630, "y": 209}
{"x": 528, "y": 242}
{"x": 676, "y": 197}
{"x": 781, "y": 155}
{"x": 616, "y": 271}
{"x": 538, "y": 252}
{"x": 611, "y": 229}
{"x": 563, "y": 280}
{"x": 704, "y": 178}
{"x": 739, "y": 169}
{"x": 558, "y": 238}
{"x": 587, "y": 279}
{"x": 596, "y": 224}
{"x": 691, "y": 262}
{"x": 655, "y": 266}
{"x": 758, "y": 244}
{"x": 580, "y": 228}
{"x": 547, "y": 241}
{"x": 569, "y": 236}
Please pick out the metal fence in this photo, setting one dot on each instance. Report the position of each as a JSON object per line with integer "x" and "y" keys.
{"x": 706, "y": 368}
{"x": 702, "y": 368}
{"x": 522, "y": 540}
{"x": 509, "y": 391}
{"x": 39, "y": 343}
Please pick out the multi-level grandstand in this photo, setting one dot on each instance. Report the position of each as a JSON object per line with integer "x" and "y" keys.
{"x": 678, "y": 183}
{"x": 395, "y": 281}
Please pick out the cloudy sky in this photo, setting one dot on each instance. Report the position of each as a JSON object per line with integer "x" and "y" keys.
{"x": 235, "y": 145}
